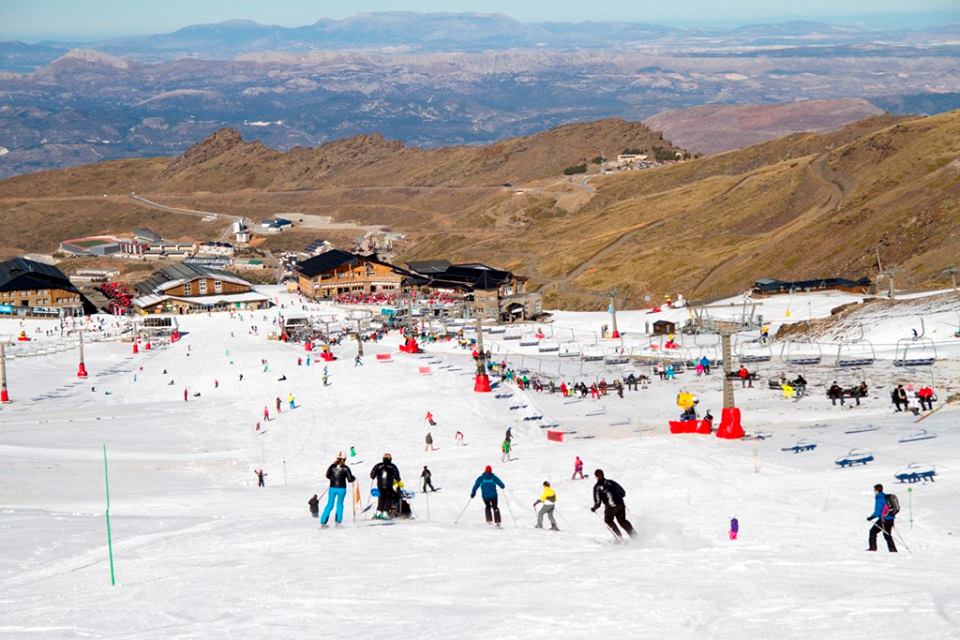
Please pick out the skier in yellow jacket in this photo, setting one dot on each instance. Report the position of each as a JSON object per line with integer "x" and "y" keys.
{"x": 549, "y": 500}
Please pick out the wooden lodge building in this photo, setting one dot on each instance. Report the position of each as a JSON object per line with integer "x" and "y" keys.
{"x": 489, "y": 292}
{"x": 336, "y": 272}
{"x": 190, "y": 288}
{"x": 30, "y": 288}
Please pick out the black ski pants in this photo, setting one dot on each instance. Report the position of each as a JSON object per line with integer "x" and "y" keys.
{"x": 427, "y": 483}
{"x": 885, "y": 526}
{"x": 618, "y": 513}
{"x": 386, "y": 501}
{"x": 491, "y": 510}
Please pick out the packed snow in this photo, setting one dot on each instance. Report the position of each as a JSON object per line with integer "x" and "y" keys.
{"x": 202, "y": 552}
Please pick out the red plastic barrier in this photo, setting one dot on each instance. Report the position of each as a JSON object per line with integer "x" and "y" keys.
{"x": 425, "y": 371}
{"x": 555, "y": 436}
{"x": 730, "y": 427}
{"x": 384, "y": 356}
{"x": 690, "y": 426}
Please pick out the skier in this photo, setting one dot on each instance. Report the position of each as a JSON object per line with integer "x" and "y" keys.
{"x": 358, "y": 361}
{"x": 505, "y": 448}
{"x": 885, "y": 509}
{"x": 429, "y": 441}
{"x": 734, "y": 528}
{"x": 291, "y": 401}
{"x": 314, "y": 503}
{"x": 610, "y": 494}
{"x": 279, "y": 403}
{"x": 299, "y": 361}
{"x": 339, "y": 475}
{"x": 260, "y": 476}
{"x": 185, "y": 395}
{"x": 386, "y": 474}
{"x": 458, "y": 436}
{"x": 429, "y": 418}
{"x": 216, "y": 384}
{"x": 266, "y": 414}
{"x": 578, "y": 470}
{"x": 508, "y": 436}
{"x": 549, "y": 500}
{"x": 426, "y": 475}
{"x": 487, "y": 483}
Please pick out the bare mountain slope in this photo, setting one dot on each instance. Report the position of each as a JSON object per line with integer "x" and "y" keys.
{"x": 715, "y": 128}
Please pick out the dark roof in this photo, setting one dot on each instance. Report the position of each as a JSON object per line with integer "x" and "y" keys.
{"x": 766, "y": 285}
{"x": 182, "y": 271}
{"x": 21, "y": 274}
{"x": 429, "y": 267}
{"x": 326, "y": 261}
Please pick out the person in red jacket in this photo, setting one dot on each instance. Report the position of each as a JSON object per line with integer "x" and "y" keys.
{"x": 578, "y": 470}
{"x": 925, "y": 396}
{"x": 744, "y": 377}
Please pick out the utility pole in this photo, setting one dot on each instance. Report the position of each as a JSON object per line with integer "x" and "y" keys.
{"x": 81, "y": 369}
{"x": 891, "y": 274}
{"x": 613, "y": 315}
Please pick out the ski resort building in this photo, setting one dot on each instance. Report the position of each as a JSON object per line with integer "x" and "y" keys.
{"x": 337, "y": 272}
{"x": 191, "y": 288}
{"x": 31, "y": 288}
{"x": 487, "y": 292}
{"x": 770, "y": 286}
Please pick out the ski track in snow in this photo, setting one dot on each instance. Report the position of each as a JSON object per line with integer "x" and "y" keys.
{"x": 201, "y": 552}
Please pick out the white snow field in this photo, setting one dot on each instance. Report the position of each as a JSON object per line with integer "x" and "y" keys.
{"x": 202, "y": 552}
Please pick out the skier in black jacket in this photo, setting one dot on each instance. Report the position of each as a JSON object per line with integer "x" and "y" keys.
{"x": 610, "y": 494}
{"x": 339, "y": 475}
{"x": 387, "y": 475}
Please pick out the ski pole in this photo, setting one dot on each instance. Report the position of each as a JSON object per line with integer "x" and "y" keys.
{"x": 464, "y": 510}
{"x": 510, "y": 509}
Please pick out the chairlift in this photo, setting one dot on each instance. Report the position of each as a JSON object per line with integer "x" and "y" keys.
{"x": 921, "y": 352}
{"x": 529, "y": 340}
{"x": 496, "y": 329}
{"x": 615, "y": 355}
{"x": 916, "y": 472}
{"x": 920, "y": 434}
{"x": 855, "y": 456}
{"x": 513, "y": 333}
{"x": 568, "y": 350}
{"x": 801, "y": 446}
{"x": 801, "y": 353}
{"x": 591, "y": 353}
{"x": 858, "y": 352}
{"x": 756, "y": 352}
{"x": 548, "y": 346}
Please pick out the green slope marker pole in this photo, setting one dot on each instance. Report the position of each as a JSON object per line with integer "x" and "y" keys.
{"x": 106, "y": 477}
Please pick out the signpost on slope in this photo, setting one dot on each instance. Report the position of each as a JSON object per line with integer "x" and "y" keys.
{"x": 106, "y": 477}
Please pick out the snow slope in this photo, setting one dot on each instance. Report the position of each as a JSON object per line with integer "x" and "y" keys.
{"x": 201, "y": 552}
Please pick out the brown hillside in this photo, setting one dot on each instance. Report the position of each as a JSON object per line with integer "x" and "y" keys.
{"x": 805, "y": 205}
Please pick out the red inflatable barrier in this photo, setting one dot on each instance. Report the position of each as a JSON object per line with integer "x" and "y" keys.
{"x": 384, "y": 356}
{"x": 555, "y": 436}
{"x": 690, "y": 426}
{"x": 730, "y": 424}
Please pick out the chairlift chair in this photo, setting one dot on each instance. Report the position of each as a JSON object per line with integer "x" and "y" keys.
{"x": 921, "y": 352}
{"x": 797, "y": 353}
{"x": 614, "y": 355}
{"x": 548, "y": 346}
{"x": 858, "y": 352}
{"x": 591, "y": 353}
{"x": 757, "y": 353}
{"x": 568, "y": 350}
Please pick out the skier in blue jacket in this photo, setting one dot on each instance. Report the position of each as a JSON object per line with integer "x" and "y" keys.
{"x": 487, "y": 483}
{"x": 884, "y": 517}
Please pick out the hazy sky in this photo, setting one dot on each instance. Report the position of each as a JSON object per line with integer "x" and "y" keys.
{"x": 37, "y": 19}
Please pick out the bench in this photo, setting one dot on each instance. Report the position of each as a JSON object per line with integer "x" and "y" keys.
{"x": 751, "y": 375}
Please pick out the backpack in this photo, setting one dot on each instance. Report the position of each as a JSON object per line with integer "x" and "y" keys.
{"x": 893, "y": 505}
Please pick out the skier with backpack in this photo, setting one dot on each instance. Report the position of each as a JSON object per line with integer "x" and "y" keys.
{"x": 339, "y": 475}
{"x": 610, "y": 495}
{"x": 387, "y": 475}
{"x": 548, "y": 498}
{"x": 487, "y": 483}
{"x": 886, "y": 506}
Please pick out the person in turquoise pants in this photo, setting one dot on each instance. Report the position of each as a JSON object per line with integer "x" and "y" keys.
{"x": 339, "y": 475}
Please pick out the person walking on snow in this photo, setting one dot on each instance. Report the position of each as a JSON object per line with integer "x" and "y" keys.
{"x": 487, "y": 483}
{"x": 426, "y": 475}
{"x": 885, "y": 510}
{"x": 260, "y": 476}
{"x": 549, "y": 500}
{"x": 610, "y": 495}
{"x": 339, "y": 475}
{"x": 578, "y": 470}
{"x": 429, "y": 441}
{"x": 386, "y": 474}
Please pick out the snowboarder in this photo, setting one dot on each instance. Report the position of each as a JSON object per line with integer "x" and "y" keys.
{"x": 885, "y": 509}
{"x": 314, "y": 503}
{"x": 339, "y": 475}
{"x": 386, "y": 474}
{"x": 260, "y": 476}
{"x": 429, "y": 419}
{"x": 734, "y": 528}
{"x": 429, "y": 441}
{"x": 426, "y": 475}
{"x": 549, "y": 500}
{"x": 610, "y": 494}
{"x": 578, "y": 470}
{"x": 487, "y": 483}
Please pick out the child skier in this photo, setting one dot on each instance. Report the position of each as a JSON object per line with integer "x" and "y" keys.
{"x": 314, "y": 503}
{"x": 549, "y": 500}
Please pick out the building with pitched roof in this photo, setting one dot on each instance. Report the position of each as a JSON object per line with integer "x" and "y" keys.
{"x": 488, "y": 292}
{"x": 337, "y": 272}
{"x": 186, "y": 288}
{"x": 31, "y": 288}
